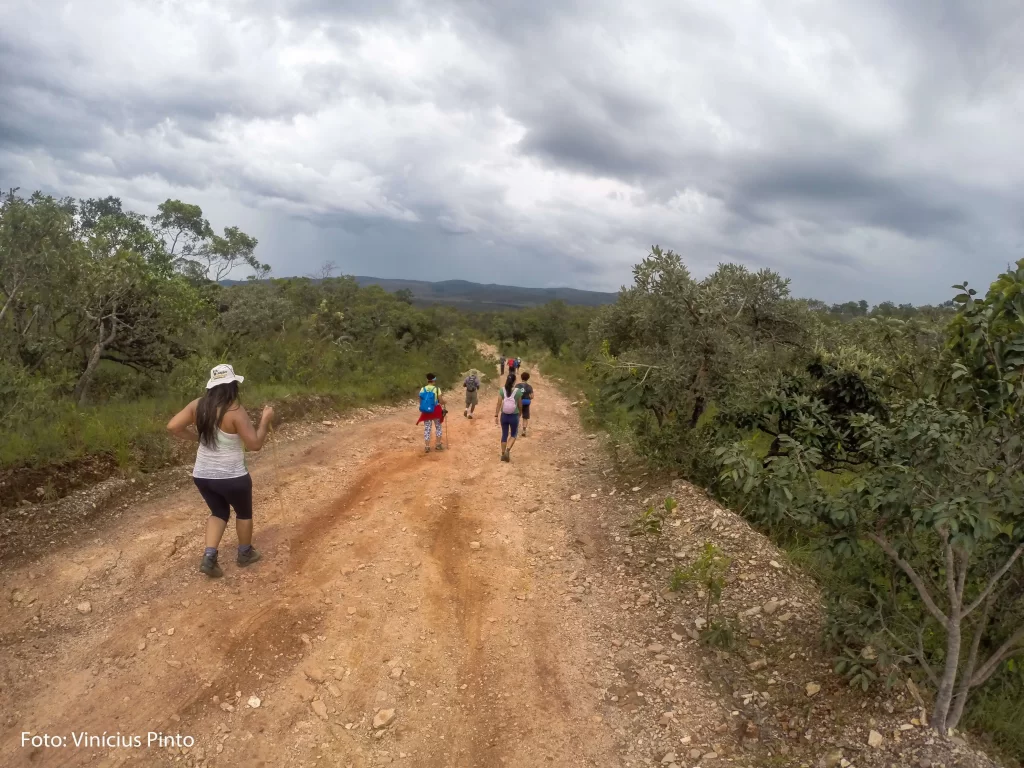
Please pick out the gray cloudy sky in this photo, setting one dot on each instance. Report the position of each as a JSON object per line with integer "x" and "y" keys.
{"x": 864, "y": 148}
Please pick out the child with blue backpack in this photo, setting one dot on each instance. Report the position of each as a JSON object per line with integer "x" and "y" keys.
{"x": 432, "y": 411}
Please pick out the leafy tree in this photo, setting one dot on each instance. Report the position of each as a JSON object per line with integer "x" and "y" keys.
{"x": 234, "y": 249}
{"x": 936, "y": 493}
{"x": 88, "y": 282}
{"x": 196, "y": 251}
{"x": 132, "y": 315}
{"x": 183, "y": 229}
{"x": 553, "y": 326}
{"x": 39, "y": 262}
{"x": 988, "y": 342}
{"x": 36, "y": 238}
{"x": 675, "y": 344}
{"x": 850, "y": 309}
{"x": 500, "y": 331}
{"x": 256, "y": 313}
{"x": 109, "y": 228}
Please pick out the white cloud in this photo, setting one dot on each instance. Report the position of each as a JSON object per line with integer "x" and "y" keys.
{"x": 854, "y": 146}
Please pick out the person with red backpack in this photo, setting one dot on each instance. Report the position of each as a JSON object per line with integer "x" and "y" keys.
{"x": 506, "y": 413}
{"x": 432, "y": 411}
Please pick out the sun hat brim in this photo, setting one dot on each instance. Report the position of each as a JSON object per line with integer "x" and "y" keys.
{"x": 216, "y": 383}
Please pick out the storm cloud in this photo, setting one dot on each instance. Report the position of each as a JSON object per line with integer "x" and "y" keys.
{"x": 864, "y": 149}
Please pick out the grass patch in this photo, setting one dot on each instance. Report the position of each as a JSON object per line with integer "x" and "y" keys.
{"x": 133, "y": 434}
{"x": 998, "y": 713}
{"x": 576, "y": 380}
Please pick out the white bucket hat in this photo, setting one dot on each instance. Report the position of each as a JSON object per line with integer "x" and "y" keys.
{"x": 223, "y": 374}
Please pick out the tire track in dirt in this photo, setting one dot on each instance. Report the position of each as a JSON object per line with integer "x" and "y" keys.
{"x": 461, "y": 605}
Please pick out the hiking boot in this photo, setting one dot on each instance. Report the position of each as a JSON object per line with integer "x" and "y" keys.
{"x": 248, "y": 559}
{"x": 210, "y": 568}
{"x": 504, "y": 456}
{"x": 426, "y": 449}
{"x": 466, "y": 413}
{"x": 439, "y": 447}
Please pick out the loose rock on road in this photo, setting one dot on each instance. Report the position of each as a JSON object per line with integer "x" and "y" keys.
{"x": 427, "y": 593}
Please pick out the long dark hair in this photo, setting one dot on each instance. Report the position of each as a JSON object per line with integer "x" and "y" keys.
{"x": 509, "y": 383}
{"x": 211, "y": 409}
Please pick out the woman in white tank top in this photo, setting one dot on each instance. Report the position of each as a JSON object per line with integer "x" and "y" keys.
{"x": 224, "y": 433}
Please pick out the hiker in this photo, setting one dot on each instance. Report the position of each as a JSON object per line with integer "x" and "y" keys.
{"x": 502, "y": 361}
{"x": 527, "y": 397}
{"x": 222, "y": 429}
{"x": 519, "y": 364}
{"x": 432, "y": 411}
{"x": 509, "y": 398}
{"x": 472, "y": 385}
{"x": 511, "y": 365}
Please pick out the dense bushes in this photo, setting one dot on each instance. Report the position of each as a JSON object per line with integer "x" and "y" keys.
{"x": 883, "y": 445}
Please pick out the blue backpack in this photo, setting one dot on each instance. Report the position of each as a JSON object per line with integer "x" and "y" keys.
{"x": 428, "y": 400}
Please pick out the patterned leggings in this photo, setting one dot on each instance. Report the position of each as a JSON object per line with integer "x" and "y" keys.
{"x": 426, "y": 429}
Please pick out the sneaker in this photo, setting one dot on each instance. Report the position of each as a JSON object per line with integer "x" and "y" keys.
{"x": 249, "y": 559}
{"x": 426, "y": 449}
{"x": 210, "y": 568}
{"x": 470, "y": 416}
{"x": 466, "y": 414}
{"x": 439, "y": 447}
{"x": 504, "y": 456}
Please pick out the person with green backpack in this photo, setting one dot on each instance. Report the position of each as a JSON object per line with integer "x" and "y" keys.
{"x": 432, "y": 411}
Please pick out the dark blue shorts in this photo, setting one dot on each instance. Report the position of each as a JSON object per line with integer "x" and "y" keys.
{"x": 221, "y": 495}
{"x": 509, "y": 423}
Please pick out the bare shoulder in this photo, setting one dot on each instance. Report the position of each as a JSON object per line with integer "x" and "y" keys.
{"x": 234, "y": 417}
{"x": 237, "y": 411}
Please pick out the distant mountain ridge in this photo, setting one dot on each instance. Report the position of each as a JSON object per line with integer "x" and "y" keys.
{"x": 480, "y": 297}
{"x": 487, "y": 296}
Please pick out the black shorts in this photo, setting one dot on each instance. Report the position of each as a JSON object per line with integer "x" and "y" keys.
{"x": 221, "y": 495}
{"x": 526, "y": 411}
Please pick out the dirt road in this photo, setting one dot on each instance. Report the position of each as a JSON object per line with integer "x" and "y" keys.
{"x": 429, "y": 610}
{"x": 433, "y": 585}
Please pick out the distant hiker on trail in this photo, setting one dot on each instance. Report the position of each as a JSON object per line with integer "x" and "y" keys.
{"x": 527, "y": 397}
{"x": 508, "y": 409}
{"x": 472, "y": 385}
{"x": 432, "y": 411}
{"x": 519, "y": 364}
{"x": 222, "y": 428}
{"x": 502, "y": 361}
{"x": 511, "y": 365}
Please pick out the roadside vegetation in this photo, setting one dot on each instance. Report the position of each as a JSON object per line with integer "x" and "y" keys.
{"x": 881, "y": 446}
{"x": 111, "y": 321}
